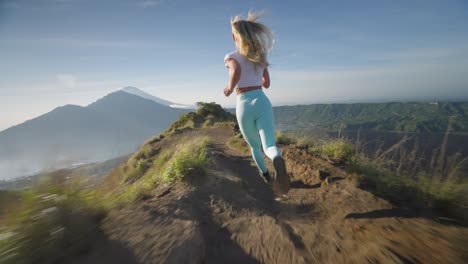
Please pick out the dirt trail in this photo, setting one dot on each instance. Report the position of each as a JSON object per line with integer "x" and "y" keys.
{"x": 230, "y": 216}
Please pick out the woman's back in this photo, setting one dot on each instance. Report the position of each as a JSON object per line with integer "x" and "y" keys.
{"x": 250, "y": 74}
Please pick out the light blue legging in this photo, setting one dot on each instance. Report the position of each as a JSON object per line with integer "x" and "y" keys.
{"x": 255, "y": 117}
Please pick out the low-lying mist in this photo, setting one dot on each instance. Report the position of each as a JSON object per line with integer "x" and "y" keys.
{"x": 29, "y": 164}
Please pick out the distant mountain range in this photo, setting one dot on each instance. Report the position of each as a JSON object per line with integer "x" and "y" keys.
{"x": 112, "y": 126}
{"x": 118, "y": 123}
{"x": 418, "y": 117}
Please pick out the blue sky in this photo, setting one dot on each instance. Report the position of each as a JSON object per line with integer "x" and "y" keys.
{"x": 56, "y": 52}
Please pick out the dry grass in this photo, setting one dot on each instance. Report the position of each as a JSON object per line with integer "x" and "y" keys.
{"x": 189, "y": 157}
{"x": 49, "y": 221}
{"x": 284, "y": 139}
{"x": 421, "y": 190}
{"x": 401, "y": 176}
{"x": 238, "y": 142}
{"x": 339, "y": 150}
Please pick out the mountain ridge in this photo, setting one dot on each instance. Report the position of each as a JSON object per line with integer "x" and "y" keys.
{"x": 396, "y": 117}
{"x": 111, "y": 126}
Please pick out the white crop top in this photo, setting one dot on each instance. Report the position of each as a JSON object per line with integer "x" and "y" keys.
{"x": 249, "y": 76}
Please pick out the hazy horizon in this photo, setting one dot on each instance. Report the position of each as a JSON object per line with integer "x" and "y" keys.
{"x": 58, "y": 52}
{"x": 421, "y": 99}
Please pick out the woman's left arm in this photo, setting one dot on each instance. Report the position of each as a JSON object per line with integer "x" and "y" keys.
{"x": 234, "y": 75}
{"x": 266, "y": 79}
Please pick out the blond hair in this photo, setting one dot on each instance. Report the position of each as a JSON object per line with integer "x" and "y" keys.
{"x": 253, "y": 39}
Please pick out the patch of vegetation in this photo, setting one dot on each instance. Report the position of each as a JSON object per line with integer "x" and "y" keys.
{"x": 238, "y": 142}
{"x": 448, "y": 197}
{"x": 163, "y": 158}
{"x": 208, "y": 123}
{"x": 48, "y": 222}
{"x": 214, "y": 111}
{"x": 135, "y": 191}
{"x": 138, "y": 171}
{"x": 188, "y": 120}
{"x": 224, "y": 124}
{"x": 207, "y": 115}
{"x": 139, "y": 163}
{"x": 282, "y": 138}
{"x": 339, "y": 150}
{"x": 155, "y": 139}
{"x": 190, "y": 157}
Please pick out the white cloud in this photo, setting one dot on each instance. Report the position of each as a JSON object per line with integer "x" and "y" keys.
{"x": 68, "y": 80}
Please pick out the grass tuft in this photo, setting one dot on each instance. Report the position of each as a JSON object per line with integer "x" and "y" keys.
{"x": 189, "y": 157}
{"x": 340, "y": 151}
{"x": 138, "y": 171}
{"x": 238, "y": 142}
{"x": 282, "y": 138}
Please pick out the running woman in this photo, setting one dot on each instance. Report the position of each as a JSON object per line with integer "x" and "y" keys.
{"x": 248, "y": 73}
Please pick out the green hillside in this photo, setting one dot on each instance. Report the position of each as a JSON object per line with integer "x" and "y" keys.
{"x": 400, "y": 117}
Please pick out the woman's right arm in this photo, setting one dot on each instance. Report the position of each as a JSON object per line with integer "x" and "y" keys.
{"x": 234, "y": 75}
{"x": 266, "y": 79}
